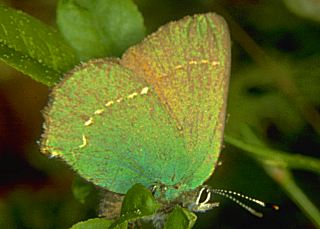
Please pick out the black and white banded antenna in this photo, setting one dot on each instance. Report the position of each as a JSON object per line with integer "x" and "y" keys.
{"x": 234, "y": 196}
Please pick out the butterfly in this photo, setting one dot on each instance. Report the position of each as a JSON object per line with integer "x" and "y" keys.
{"x": 155, "y": 117}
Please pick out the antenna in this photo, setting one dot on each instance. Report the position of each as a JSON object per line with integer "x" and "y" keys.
{"x": 234, "y": 195}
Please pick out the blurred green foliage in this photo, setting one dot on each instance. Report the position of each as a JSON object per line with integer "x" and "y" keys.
{"x": 274, "y": 103}
{"x": 110, "y": 26}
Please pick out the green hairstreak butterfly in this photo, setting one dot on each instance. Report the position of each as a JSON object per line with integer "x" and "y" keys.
{"x": 155, "y": 116}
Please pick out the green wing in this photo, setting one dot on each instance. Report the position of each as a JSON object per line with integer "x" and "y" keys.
{"x": 110, "y": 127}
{"x": 187, "y": 63}
{"x": 159, "y": 119}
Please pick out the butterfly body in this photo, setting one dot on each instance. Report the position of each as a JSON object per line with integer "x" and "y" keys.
{"x": 154, "y": 117}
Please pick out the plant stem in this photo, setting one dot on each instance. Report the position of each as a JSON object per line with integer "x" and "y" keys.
{"x": 276, "y": 157}
{"x": 286, "y": 181}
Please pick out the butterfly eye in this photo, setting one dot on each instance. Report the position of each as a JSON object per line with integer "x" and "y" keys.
{"x": 203, "y": 196}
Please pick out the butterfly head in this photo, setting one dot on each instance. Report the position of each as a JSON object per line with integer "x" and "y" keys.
{"x": 201, "y": 199}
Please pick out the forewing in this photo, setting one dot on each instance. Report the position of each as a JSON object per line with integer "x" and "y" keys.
{"x": 110, "y": 126}
{"x": 187, "y": 63}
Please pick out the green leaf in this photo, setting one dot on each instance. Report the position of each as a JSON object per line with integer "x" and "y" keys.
{"x": 138, "y": 203}
{"x": 97, "y": 223}
{"x": 81, "y": 189}
{"x": 33, "y": 48}
{"x": 100, "y": 28}
{"x": 180, "y": 218}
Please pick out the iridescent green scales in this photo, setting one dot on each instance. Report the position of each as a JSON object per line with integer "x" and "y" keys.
{"x": 154, "y": 117}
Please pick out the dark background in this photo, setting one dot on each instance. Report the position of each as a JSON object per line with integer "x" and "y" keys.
{"x": 280, "y": 102}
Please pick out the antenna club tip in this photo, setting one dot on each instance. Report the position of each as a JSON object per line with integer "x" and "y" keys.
{"x": 273, "y": 206}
